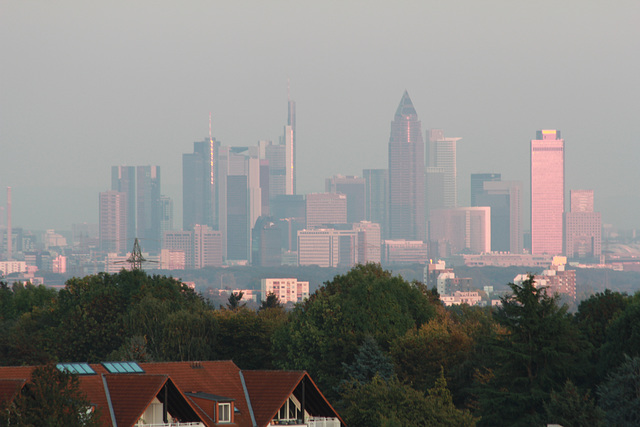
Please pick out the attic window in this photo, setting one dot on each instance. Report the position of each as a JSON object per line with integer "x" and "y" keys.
{"x": 224, "y": 412}
{"x": 76, "y": 368}
{"x": 123, "y": 368}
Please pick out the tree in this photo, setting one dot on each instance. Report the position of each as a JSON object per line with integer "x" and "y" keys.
{"x": 541, "y": 349}
{"x": 392, "y": 403}
{"x": 571, "y": 408}
{"x": 369, "y": 362}
{"x": 271, "y": 301}
{"x": 51, "y": 398}
{"x": 328, "y": 328}
{"x": 234, "y": 301}
{"x": 620, "y": 394}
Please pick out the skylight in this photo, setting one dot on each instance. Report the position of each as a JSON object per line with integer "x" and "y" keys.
{"x": 122, "y": 367}
{"x": 76, "y": 368}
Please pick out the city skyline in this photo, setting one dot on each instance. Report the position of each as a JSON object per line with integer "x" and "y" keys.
{"x": 132, "y": 84}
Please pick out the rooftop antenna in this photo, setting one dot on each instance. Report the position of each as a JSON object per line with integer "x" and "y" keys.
{"x": 288, "y": 90}
{"x": 211, "y": 157}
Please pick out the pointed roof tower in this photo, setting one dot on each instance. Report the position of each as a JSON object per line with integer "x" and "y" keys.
{"x": 405, "y": 109}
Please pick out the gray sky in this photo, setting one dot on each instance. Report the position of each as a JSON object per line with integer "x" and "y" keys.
{"x": 87, "y": 85}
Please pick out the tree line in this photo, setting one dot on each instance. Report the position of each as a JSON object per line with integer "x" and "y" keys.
{"x": 384, "y": 351}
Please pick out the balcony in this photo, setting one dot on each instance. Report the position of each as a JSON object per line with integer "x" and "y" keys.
{"x": 174, "y": 424}
{"x": 311, "y": 422}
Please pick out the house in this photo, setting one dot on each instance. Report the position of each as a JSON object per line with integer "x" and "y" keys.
{"x": 193, "y": 394}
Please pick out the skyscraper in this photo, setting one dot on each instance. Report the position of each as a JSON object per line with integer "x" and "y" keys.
{"x": 290, "y": 147}
{"x": 149, "y": 208}
{"x": 326, "y": 208}
{"x": 477, "y": 184}
{"x": 582, "y": 227}
{"x": 441, "y": 153}
{"x": 123, "y": 180}
{"x": 503, "y": 197}
{"x": 113, "y": 221}
{"x": 406, "y": 174}
{"x": 199, "y": 185}
{"x": 547, "y": 192}
{"x": 352, "y": 187}
{"x": 377, "y": 197}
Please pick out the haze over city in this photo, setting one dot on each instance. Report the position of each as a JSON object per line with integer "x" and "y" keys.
{"x": 86, "y": 86}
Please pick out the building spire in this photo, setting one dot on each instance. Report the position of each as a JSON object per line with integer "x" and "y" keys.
{"x": 405, "y": 108}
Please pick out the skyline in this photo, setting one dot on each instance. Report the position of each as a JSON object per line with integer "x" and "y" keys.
{"x": 103, "y": 85}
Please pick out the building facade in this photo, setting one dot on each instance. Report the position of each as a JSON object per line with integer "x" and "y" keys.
{"x": 326, "y": 208}
{"x": 547, "y": 193}
{"x": 406, "y": 174}
{"x": 583, "y": 227}
{"x": 113, "y": 221}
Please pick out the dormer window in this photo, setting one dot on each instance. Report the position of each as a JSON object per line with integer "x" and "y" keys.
{"x": 224, "y": 412}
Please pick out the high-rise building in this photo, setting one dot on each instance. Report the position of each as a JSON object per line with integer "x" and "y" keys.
{"x": 326, "y": 208}
{"x": 406, "y": 174}
{"x": 463, "y": 229}
{"x": 547, "y": 193}
{"x": 477, "y": 184}
{"x": 166, "y": 218}
{"x": 504, "y": 199}
{"x": 327, "y": 247}
{"x": 369, "y": 240}
{"x": 123, "y": 180}
{"x": 441, "y": 153}
{"x": 377, "y": 197}
{"x": 113, "y": 221}
{"x": 290, "y": 147}
{"x": 202, "y": 246}
{"x": 200, "y": 185}
{"x": 266, "y": 239}
{"x": 434, "y": 185}
{"x": 149, "y": 208}
{"x": 583, "y": 227}
{"x": 352, "y": 187}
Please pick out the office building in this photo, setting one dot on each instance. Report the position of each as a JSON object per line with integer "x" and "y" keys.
{"x": 434, "y": 186}
{"x": 441, "y": 153}
{"x": 504, "y": 199}
{"x": 377, "y": 197}
{"x": 547, "y": 193}
{"x": 583, "y": 227}
{"x": 404, "y": 252}
{"x": 354, "y": 188}
{"x": 113, "y": 221}
{"x": 123, "y": 180}
{"x": 326, "y": 208}
{"x": 477, "y": 184}
{"x": 266, "y": 240}
{"x": 406, "y": 174}
{"x": 326, "y": 247}
{"x": 369, "y": 240}
{"x": 463, "y": 229}
{"x": 149, "y": 208}
{"x": 202, "y": 246}
{"x": 200, "y": 185}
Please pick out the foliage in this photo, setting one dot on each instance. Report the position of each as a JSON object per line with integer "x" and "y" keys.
{"x": 234, "y": 301}
{"x": 570, "y": 408}
{"x": 392, "y": 403}
{"x": 271, "y": 301}
{"x": 619, "y": 394}
{"x": 369, "y": 362}
{"x": 540, "y": 350}
{"x": 327, "y": 329}
{"x": 622, "y": 338}
{"x": 50, "y": 398}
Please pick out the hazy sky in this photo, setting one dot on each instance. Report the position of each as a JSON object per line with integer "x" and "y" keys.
{"x": 86, "y": 85}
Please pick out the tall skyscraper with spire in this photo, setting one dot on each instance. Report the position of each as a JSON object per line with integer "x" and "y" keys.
{"x": 290, "y": 147}
{"x": 406, "y": 174}
{"x": 547, "y": 192}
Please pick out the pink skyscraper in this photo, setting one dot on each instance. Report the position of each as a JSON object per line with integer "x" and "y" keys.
{"x": 547, "y": 192}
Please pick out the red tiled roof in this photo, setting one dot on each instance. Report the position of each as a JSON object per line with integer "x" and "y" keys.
{"x": 10, "y": 388}
{"x": 132, "y": 394}
{"x": 269, "y": 390}
{"x": 221, "y": 378}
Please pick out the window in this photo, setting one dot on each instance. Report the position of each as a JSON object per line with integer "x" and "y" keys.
{"x": 224, "y": 412}
{"x": 290, "y": 410}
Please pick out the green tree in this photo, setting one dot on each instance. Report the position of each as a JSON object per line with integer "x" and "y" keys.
{"x": 541, "y": 349}
{"x": 369, "y": 362}
{"x": 327, "y": 329}
{"x": 50, "y": 398}
{"x": 392, "y": 403}
{"x": 271, "y": 301}
{"x": 234, "y": 301}
{"x": 622, "y": 338}
{"x": 571, "y": 408}
{"x": 619, "y": 394}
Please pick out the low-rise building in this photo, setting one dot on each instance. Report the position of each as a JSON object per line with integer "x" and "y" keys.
{"x": 287, "y": 290}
